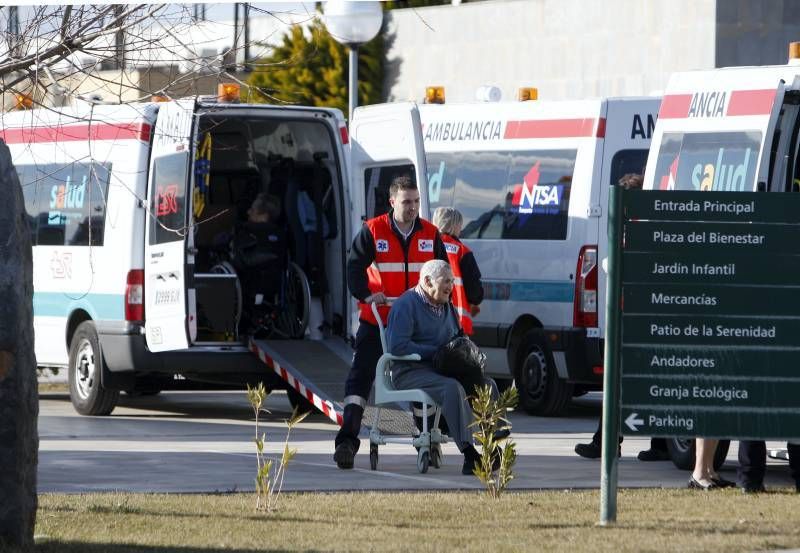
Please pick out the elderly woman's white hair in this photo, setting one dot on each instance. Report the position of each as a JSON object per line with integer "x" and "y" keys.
{"x": 447, "y": 219}
{"x": 434, "y": 269}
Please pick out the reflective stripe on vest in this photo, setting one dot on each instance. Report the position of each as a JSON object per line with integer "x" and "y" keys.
{"x": 455, "y": 253}
{"x": 392, "y": 272}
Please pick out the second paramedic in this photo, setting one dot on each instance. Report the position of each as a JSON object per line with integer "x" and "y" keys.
{"x": 468, "y": 288}
{"x": 384, "y": 262}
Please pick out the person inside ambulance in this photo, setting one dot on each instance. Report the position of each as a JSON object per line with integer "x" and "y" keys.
{"x": 258, "y": 248}
{"x": 468, "y": 288}
{"x": 384, "y": 261}
{"x": 422, "y": 321}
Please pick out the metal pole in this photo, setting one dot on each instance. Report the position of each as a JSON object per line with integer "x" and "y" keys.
{"x": 352, "y": 85}
{"x": 611, "y": 395}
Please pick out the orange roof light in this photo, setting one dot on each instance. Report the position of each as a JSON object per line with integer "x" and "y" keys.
{"x": 23, "y": 101}
{"x": 794, "y": 50}
{"x": 527, "y": 93}
{"x": 434, "y": 95}
{"x": 159, "y": 98}
{"x": 228, "y": 92}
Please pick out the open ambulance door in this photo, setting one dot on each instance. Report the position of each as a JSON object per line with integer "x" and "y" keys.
{"x": 169, "y": 317}
{"x": 386, "y": 140}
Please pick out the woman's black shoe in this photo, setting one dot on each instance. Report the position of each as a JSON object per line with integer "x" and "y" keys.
{"x": 722, "y": 483}
{"x": 695, "y": 485}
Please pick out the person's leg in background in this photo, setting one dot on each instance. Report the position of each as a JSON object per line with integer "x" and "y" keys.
{"x": 657, "y": 452}
{"x": 703, "y": 473}
{"x": 359, "y": 382}
{"x": 794, "y": 463}
{"x": 752, "y": 465}
{"x": 593, "y": 450}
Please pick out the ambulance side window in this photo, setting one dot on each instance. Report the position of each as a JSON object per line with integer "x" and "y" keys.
{"x": 376, "y": 187}
{"x": 66, "y": 204}
{"x": 511, "y": 195}
{"x": 168, "y": 208}
{"x": 627, "y": 161}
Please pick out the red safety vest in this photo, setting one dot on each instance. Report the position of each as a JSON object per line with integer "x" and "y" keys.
{"x": 391, "y": 272}
{"x": 455, "y": 253}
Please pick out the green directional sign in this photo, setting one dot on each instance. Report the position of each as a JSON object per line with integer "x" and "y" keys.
{"x": 686, "y": 236}
{"x": 711, "y": 299}
{"x": 703, "y": 390}
{"x": 702, "y": 319}
{"x": 710, "y": 206}
{"x": 752, "y": 423}
{"x": 711, "y": 267}
{"x": 724, "y": 361}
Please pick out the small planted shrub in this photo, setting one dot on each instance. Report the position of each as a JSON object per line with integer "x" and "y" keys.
{"x": 269, "y": 476}
{"x": 490, "y": 418}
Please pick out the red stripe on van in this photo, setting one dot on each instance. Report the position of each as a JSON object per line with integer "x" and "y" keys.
{"x": 675, "y": 106}
{"x": 71, "y": 133}
{"x": 751, "y": 102}
{"x": 555, "y": 128}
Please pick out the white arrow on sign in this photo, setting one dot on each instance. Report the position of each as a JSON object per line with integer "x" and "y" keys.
{"x": 633, "y": 422}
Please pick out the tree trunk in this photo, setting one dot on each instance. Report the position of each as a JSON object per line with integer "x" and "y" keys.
{"x": 19, "y": 402}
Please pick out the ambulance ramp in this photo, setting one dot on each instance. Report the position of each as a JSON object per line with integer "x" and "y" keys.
{"x": 318, "y": 372}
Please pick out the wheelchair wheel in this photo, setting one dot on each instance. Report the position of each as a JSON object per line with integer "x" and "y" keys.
{"x": 373, "y": 456}
{"x": 436, "y": 456}
{"x": 292, "y": 320}
{"x": 423, "y": 461}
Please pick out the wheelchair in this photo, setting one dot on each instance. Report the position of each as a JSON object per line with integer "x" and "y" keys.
{"x": 273, "y": 292}
{"x": 428, "y": 442}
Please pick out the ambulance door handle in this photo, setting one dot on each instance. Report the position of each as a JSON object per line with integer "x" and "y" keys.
{"x": 594, "y": 211}
{"x": 191, "y": 251}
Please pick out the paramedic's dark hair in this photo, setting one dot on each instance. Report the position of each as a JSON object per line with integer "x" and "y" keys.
{"x": 631, "y": 181}
{"x": 401, "y": 182}
{"x": 267, "y": 204}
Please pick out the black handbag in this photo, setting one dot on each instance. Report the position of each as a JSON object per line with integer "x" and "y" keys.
{"x": 461, "y": 359}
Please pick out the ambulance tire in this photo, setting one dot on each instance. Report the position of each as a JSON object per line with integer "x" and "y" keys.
{"x": 682, "y": 450}
{"x": 541, "y": 391}
{"x": 84, "y": 374}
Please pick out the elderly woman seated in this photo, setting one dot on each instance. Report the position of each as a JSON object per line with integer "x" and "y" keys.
{"x": 421, "y": 321}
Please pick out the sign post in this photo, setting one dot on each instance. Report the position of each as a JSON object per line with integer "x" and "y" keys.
{"x": 703, "y": 318}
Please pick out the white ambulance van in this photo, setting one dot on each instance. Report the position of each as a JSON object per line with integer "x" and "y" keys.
{"x": 727, "y": 129}
{"x": 126, "y": 203}
{"x": 531, "y": 180}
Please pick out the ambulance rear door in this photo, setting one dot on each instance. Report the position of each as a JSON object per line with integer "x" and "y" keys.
{"x": 386, "y": 141}
{"x": 168, "y": 309}
{"x": 630, "y": 123}
{"x": 712, "y": 128}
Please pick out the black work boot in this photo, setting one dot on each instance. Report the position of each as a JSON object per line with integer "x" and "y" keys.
{"x": 344, "y": 455}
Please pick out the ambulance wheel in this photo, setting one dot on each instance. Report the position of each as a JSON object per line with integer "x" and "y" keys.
{"x": 373, "y": 456}
{"x": 293, "y": 318}
{"x": 423, "y": 461}
{"x": 84, "y": 375}
{"x": 298, "y": 402}
{"x": 541, "y": 391}
{"x": 682, "y": 452}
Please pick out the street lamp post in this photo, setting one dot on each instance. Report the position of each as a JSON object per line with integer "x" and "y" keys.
{"x": 352, "y": 24}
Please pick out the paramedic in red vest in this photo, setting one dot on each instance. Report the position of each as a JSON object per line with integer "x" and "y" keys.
{"x": 384, "y": 262}
{"x": 468, "y": 288}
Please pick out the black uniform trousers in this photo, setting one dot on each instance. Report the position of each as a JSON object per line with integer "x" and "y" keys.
{"x": 359, "y": 382}
{"x": 753, "y": 463}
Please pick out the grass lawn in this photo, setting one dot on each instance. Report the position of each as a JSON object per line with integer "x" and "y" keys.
{"x": 648, "y": 520}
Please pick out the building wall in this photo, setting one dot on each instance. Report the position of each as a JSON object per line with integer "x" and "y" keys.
{"x": 566, "y": 48}
{"x": 756, "y": 32}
